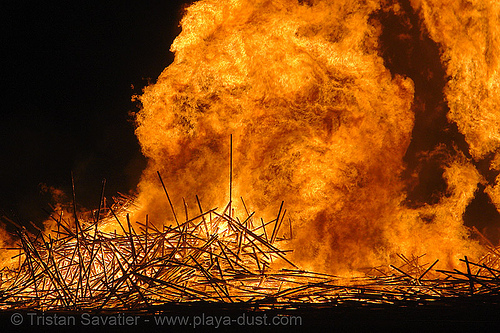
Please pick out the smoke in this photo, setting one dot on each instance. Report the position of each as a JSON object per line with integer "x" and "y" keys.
{"x": 319, "y": 122}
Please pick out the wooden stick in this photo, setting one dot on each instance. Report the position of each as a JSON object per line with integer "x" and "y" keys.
{"x": 428, "y": 269}
{"x": 471, "y": 282}
{"x": 131, "y": 240}
{"x": 277, "y": 221}
{"x": 211, "y": 280}
{"x": 400, "y": 271}
{"x": 168, "y": 197}
{"x": 74, "y": 203}
{"x": 264, "y": 228}
{"x": 278, "y": 228}
{"x": 245, "y": 206}
{"x": 118, "y": 220}
{"x": 147, "y": 238}
{"x": 101, "y": 199}
{"x": 185, "y": 209}
{"x": 203, "y": 216}
{"x": 230, "y": 172}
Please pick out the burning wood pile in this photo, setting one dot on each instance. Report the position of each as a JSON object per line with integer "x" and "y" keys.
{"x": 213, "y": 257}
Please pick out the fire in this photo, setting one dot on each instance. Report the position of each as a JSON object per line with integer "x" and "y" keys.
{"x": 321, "y": 117}
{"x": 468, "y": 33}
{"x": 212, "y": 257}
{"x": 320, "y": 122}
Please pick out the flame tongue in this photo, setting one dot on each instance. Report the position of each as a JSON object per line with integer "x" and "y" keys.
{"x": 469, "y": 35}
{"x": 318, "y": 122}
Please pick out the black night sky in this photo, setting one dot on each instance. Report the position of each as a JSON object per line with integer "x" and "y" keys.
{"x": 69, "y": 71}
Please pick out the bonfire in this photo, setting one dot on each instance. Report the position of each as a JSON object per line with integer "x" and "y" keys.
{"x": 215, "y": 256}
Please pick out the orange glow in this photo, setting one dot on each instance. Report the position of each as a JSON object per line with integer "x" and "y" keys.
{"x": 469, "y": 33}
{"x": 320, "y": 123}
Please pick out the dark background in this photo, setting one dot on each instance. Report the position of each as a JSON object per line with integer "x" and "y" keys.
{"x": 69, "y": 70}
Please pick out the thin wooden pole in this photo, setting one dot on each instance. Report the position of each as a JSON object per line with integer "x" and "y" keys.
{"x": 77, "y": 226}
{"x": 428, "y": 269}
{"x": 168, "y": 197}
{"x": 74, "y": 203}
{"x": 185, "y": 209}
{"x": 230, "y": 174}
{"x": 469, "y": 275}
{"x": 277, "y": 222}
{"x": 203, "y": 216}
{"x": 101, "y": 199}
{"x": 264, "y": 228}
{"x": 146, "y": 240}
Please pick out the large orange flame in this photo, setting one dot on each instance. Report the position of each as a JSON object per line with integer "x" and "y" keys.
{"x": 319, "y": 122}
